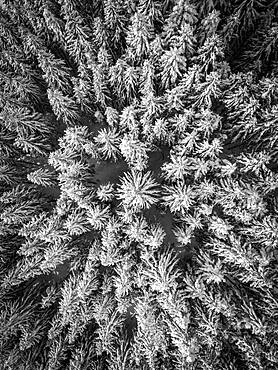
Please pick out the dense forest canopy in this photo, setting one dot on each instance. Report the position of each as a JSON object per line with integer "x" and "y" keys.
{"x": 138, "y": 184}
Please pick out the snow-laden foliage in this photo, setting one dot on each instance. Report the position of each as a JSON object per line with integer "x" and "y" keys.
{"x": 138, "y": 184}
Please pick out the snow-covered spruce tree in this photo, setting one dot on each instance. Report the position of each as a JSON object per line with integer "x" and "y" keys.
{"x": 138, "y": 184}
